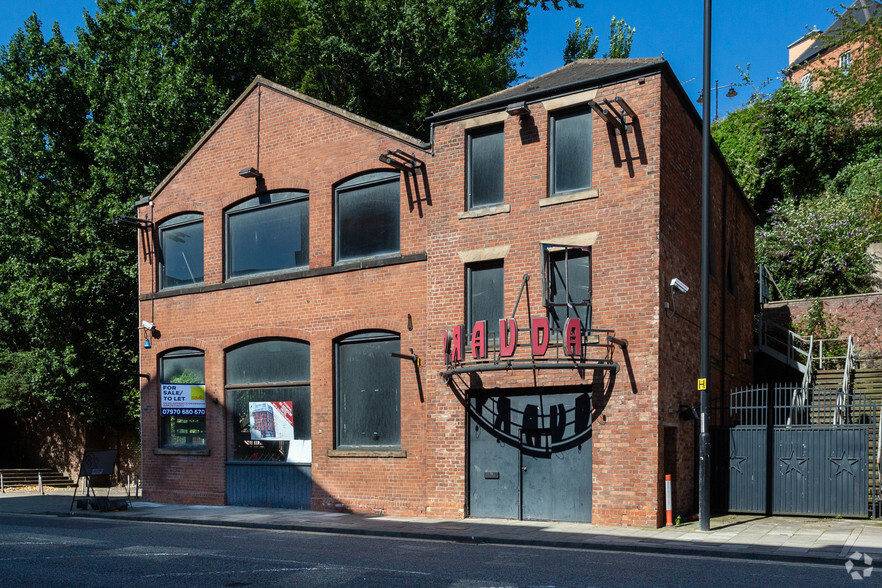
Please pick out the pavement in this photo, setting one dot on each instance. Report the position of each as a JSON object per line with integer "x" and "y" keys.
{"x": 778, "y": 538}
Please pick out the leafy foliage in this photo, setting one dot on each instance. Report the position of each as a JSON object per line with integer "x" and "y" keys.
{"x": 580, "y": 44}
{"x": 87, "y": 128}
{"x": 859, "y": 87}
{"x": 620, "y": 37}
{"x": 818, "y": 247}
{"x": 583, "y": 44}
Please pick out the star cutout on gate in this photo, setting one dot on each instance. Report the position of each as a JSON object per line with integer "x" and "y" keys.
{"x": 788, "y": 461}
{"x": 735, "y": 462}
{"x": 842, "y": 467}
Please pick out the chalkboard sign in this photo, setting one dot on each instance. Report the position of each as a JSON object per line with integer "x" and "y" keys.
{"x": 97, "y": 463}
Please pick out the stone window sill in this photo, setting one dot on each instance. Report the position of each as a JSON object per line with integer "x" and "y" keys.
{"x": 485, "y": 211}
{"x": 192, "y": 452}
{"x": 570, "y": 197}
{"x": 367, "y": 453}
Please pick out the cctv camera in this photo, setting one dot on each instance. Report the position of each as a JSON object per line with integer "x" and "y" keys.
{"x": 676, "y": 283}
{"x": 147, "y": 325}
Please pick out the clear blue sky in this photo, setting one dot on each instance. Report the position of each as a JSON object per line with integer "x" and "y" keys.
{"x": 747, "y": 31}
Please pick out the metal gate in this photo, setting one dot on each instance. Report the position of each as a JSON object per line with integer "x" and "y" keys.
{"x": 530, "y": 456}
{"x": 795, "y": 450}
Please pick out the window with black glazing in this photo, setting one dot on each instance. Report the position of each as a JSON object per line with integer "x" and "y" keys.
{"x": 181, "y": 251}
{"x": 267, "y": 233}
{"x": 569, "y": 154}
{"x": 368, "y": 394}
{"x": 367, "y": 216}
{"x": 182, "y": 399}
{"x": 568, "y": 287}
{"x": 485, "y": 163}
{"x": 485, "y": 295}
{"x": 268, "y": 398}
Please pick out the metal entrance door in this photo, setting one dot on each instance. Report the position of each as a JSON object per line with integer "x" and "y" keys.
{"x": 530, "y": 456}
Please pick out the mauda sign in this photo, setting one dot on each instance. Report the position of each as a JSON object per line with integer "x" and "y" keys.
{"x": 455, "y": 339}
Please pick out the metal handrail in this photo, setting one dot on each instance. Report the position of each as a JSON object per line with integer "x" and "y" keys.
{"x": 785, "y": 342}
{"x": 843, "y": 392}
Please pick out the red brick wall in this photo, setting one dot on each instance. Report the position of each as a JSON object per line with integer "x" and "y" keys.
{"x": 625, "y": 285}
{"x": 859, "y": 315}
{"x": 730, "y": 310}
{"x": 301, "y": 147}
{"x": 645, "y": 217}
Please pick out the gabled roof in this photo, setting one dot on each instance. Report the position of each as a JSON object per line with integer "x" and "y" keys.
{"x": 582, "y": 73}
{"x": 858, "y": 14}
{"x": 263, "y": 82}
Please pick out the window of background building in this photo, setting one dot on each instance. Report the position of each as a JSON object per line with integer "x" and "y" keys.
{"x": 267, "y": 394}
{"x": 268, "y": 232}
{"x": 367, "y": 216}
{"x": 180, "y": 251}
{"x": 485, "y": 296}
{"x": 806, "y": 82}
{"x": 845, "y": 62}
{"x": 185, "y": 367}
{"x": 569, "y": 153}
{"x": 485, "y": 166}
{"x": 568, "y": 287}
{"x": 368, "y": 402}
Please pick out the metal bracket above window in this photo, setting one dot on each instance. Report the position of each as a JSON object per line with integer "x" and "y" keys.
{"x": 132, "y": 221}
{"x": 401, "y": 160}
{"x": 617, "y": 113}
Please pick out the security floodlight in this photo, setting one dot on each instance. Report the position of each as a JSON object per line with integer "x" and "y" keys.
{"x": 147, "y": 325}
{"x": 676, "y": 283}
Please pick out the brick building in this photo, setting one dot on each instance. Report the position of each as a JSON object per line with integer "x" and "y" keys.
{"x": 815, "y": 51}
{"x": 353, "y": 280}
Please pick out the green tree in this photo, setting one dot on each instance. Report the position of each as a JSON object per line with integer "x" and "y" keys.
{"x": 87, "y": 128}
{"x": 583, "y": 44}
{"x": 65, "y": 277}
{"x": 789, "y": 145}
{"x": 580, "y": 44}
{"x": 620, "y": 37}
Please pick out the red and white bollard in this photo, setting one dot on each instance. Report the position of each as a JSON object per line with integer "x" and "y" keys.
{"x": 669, "y": 512}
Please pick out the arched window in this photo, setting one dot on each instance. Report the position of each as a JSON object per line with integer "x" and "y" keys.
{"x": 268, "y": 399}
{"x": 182, "y": 399}
{"x": 180, "y": 251}
{"x": 367, "y": 216}
{"x": 368, "y": 391}
{"x": 267, "y": 233}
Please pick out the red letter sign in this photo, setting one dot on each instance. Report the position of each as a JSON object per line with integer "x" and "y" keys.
{"x": 539, "y": 331}
{"x": 573, "y": 337}
{"x": 456, "y": 347}
{"x": 508, "y": 337}
{"x": 479, "y": 340}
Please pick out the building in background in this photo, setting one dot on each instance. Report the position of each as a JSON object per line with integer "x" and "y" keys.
{"x": 816, "y": 51}
{"x": 503, "y": 322}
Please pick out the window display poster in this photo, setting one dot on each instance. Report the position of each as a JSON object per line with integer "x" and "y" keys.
{"x": 272, "y": 421}
{"x": 182, "y": 400}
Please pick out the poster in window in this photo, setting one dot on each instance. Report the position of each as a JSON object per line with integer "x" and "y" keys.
{"x": 271, "y": 421}
{"x": 182, "y": 400}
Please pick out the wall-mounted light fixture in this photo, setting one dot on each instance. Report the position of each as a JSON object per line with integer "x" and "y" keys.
{"x": 517, "y": 109}
{"x": 250, "y": 172}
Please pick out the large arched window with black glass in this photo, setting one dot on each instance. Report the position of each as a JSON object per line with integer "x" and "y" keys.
{"x": 367, "y": 216}
{"x": 368, "y": 391}
{"x": 180, "y": 251}
{"x": 182, "y": 399}
{"x": 268, "y": 398}
{"x": 267, "y": 233}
